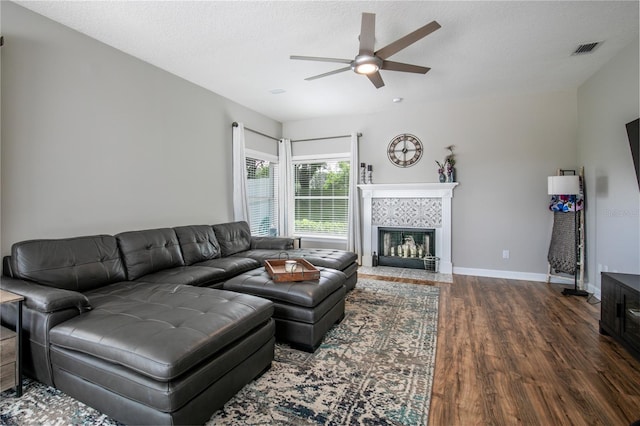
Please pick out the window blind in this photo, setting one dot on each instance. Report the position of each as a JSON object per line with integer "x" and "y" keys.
{"x": 321, "y": 191}
{"x": 262, "y": 196}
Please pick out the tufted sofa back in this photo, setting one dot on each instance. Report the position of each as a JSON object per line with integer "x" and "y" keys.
{"x": 233, "y": 237}
{"x": 148, "y": 251}
{"x": 198, "y": 243}
{"x": 78, "y": 264}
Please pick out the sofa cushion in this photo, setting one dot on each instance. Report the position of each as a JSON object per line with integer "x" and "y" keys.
{"x": 233, "y": 237}
{"x": 271, "y": 243}
{"x": 198, "y": 243}
{"x": 79, "y": 264}
{"x": 189, "y": 275}
{"x": 261, "y": 255}
{"x": 160, "y": 330}
{"x": 231, "y": 266}
{"x": 148, "y": 251}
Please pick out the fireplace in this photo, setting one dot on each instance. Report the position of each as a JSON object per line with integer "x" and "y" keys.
{"x": 408, "y": 205}
{"x": 407, "y": 248}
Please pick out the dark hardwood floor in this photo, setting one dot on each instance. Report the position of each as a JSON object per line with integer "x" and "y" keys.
{"x": 518, "y": 352}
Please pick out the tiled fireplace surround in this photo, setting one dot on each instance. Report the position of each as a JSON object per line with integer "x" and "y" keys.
{"x": 408, "y": 205}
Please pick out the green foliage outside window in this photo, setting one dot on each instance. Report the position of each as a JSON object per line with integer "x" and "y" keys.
{"x": 321, "y": 198}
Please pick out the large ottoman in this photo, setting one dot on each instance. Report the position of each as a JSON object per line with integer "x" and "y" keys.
{"x": 304, "y": 310}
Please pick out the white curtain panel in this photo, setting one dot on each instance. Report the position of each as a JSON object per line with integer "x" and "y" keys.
{"x": 285, "y": 182}
{"x": 354, "y": 237}
{"x": 240, "y": 204}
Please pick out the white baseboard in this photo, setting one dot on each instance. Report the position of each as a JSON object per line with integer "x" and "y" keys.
{"x": 495, "y": 273}
{"x": 526, "y": 276}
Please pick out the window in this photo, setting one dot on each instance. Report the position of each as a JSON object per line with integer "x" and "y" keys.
{"x": 262, "y": 196}
{"x": 321, "y": 193}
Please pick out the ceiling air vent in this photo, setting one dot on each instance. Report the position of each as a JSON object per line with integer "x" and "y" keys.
{"x": 586, "y": 48}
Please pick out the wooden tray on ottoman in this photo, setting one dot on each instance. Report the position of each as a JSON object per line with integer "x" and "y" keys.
{"x": 275, "y": 268}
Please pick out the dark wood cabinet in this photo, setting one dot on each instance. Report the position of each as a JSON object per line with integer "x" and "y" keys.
{"x": 620, "y": 310}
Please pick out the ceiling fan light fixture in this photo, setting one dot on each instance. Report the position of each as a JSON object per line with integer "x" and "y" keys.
{"x": 366, "y": 64}
{"x": 366, "y": 68}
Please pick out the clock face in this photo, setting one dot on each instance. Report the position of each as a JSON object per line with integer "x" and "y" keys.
{"x": 405, "y": 150}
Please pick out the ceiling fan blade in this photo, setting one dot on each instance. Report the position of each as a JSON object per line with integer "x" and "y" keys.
{"x": 328, "y": 73}
{"x": 407, "y": 40}
{"x": 398, "y": 66}
{"x": 367, "y": 33}
{"x": 376, "y": 79}
{"x": 315, "y": 58}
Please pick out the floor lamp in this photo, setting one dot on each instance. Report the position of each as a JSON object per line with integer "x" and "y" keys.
{"x": 569, "y": 185}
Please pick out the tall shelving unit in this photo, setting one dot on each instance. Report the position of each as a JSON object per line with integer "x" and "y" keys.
{"x": 579, "y": 243}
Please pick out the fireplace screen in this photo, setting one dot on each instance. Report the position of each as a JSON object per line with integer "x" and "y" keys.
{"x": 407, "y": 248}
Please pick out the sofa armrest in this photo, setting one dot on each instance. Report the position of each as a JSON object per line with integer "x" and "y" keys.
{"x": 271, "y": 243}
{"x": 45, "y": 299}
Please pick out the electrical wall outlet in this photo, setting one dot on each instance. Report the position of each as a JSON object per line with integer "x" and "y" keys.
{"x": 505, "y": 254}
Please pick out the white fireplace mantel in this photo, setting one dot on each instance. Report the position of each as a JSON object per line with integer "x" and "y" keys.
{"x": 442, "y": 191}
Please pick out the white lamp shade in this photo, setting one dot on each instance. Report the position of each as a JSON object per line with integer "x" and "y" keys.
{"x": 563, "y": 185}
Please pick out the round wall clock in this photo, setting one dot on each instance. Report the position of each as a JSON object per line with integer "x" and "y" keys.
{"x": 404, "y": 150}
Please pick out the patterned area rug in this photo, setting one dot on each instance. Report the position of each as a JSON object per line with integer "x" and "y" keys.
{"x": 376, "y": 367}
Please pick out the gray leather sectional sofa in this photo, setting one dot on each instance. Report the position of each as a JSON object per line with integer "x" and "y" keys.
{"x": 137, "y": 325}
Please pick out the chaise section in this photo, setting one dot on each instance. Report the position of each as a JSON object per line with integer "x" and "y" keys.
{"x": 158, "y": 347}
{"x": 197, "y": 411}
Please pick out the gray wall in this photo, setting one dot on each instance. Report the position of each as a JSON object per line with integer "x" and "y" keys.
{"x": 505, "y": 149}
{"x": 606, "y": 102}
{"x": 96, "y": 141}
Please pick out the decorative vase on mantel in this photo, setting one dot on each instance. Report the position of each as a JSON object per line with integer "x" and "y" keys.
{"x": 451, "y": 174}
{"x": 442, "y": 178}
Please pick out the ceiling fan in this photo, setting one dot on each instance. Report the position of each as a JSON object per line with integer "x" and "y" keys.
{"x": 369, "y": 62}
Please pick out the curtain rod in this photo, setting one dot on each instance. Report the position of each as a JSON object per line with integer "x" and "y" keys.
{"x": 328, "y": 137}
{"x": 235, "y": 124}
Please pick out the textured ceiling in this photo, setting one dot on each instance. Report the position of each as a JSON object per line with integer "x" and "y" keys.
{"x": 240, "y": 49}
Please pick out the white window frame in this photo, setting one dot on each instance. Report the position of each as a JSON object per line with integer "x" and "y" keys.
{"x": 319, "y": 158}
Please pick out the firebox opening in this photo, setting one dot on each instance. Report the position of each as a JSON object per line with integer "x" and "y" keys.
{"x": 407, "y": 247}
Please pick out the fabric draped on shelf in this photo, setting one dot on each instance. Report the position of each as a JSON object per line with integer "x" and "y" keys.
{"x": 562, "y": 249}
